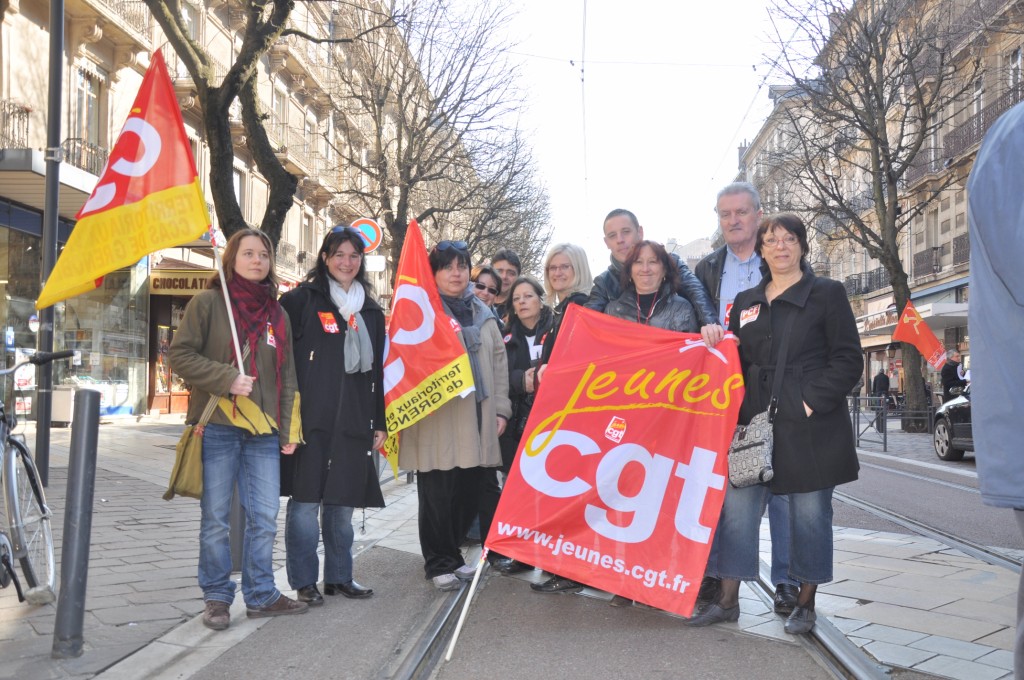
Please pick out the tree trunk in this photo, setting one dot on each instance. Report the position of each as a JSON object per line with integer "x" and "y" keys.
{"x": 218, "y": 139}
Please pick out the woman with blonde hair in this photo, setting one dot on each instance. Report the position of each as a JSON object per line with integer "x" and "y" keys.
{"x": 567, "y": 281}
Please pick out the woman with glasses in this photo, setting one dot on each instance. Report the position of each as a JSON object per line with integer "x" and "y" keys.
{"x": 338, "y": 329}
{"x": 487, "y": 287}
{"x": 529, "y": 321}
{"x": 567, "y": 281}
{"x": 455, "y": 449}
{"x": 814, "y": 446}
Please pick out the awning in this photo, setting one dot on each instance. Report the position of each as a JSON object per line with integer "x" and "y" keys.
{"x": 938, "y": 315}
{"x": 23, "y": 174}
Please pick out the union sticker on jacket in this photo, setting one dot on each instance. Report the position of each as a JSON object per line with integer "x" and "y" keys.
{"x": 271, "y": 340}
{"x": 750, "y": 314}
{"x": 329, "y": 323}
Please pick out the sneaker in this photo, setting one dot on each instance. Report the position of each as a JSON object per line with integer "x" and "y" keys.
{"x": 282, "y": 606}
{"x": 216, "y": 615}
{"x": 465, "y": 572}
{"x": 446, "y": 582}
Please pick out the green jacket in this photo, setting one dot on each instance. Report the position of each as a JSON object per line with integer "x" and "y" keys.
{"x": 202, "y": 353}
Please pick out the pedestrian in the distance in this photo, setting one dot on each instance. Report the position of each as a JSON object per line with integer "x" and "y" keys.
{"x": 338, "y": 336}
{"x": 256, "y": 420}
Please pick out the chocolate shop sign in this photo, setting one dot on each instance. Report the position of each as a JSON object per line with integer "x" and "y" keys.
{"x": 178, "y": 283}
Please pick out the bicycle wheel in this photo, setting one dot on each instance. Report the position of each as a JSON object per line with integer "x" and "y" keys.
{"x": 29, "y": 518}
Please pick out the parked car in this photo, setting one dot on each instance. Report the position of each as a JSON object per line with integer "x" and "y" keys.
{"x": 951, "y": 429}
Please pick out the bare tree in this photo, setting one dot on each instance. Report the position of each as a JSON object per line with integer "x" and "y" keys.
{"x": 875, "y": 83}
{"x": 430, "y": 114}
{"x": 264, "y": 24}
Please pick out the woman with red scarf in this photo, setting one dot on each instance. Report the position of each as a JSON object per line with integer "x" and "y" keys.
{"x": 255, "y": 421}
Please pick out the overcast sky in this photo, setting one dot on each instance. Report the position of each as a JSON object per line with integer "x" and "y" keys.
{"x": 671, "y": 90}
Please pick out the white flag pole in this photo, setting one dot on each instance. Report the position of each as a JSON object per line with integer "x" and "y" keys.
{"x": 465, "y": 606}
{"x": 227, "y": 303}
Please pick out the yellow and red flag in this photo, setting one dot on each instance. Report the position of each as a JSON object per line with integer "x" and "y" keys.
{"x": 912, "y": 329}
{"x": 425, "y": 364}
{"x": 148, "y": 196}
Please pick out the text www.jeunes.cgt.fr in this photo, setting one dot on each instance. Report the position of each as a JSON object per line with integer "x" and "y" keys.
{"x": 559, "y": 546}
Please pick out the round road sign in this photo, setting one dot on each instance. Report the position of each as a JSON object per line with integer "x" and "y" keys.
{"x": 372, "y": 233}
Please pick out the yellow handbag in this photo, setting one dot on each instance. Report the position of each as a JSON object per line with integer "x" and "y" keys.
{"x": 187, "y": 474}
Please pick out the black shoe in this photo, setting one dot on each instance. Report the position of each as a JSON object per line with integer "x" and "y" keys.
{"x": 310, "y": 595}
{"x": 351, "y": 590}
{"x": 508, "y": 566}
{"x": 800, "y": 621}
{"x": 710, "y": 587}
{"x": 557, "y": 584}
{"x": 714, "y": 613}
{"x": 785, "y": 598}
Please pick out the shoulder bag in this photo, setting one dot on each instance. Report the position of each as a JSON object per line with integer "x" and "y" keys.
{"x": 187, "y": 474}
{"x": 750, "y": 454}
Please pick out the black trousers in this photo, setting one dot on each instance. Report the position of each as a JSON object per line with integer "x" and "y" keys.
{"x": 448, "y": 502}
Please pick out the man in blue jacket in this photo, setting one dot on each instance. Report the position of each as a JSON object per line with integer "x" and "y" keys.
{"x": 996, "y": 320}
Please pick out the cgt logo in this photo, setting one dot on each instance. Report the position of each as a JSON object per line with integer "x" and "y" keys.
{"x": 645, "y": 506}
{"x": 616, "y": 429}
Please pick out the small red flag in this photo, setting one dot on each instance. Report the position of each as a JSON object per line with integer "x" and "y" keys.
{"x": 912, "y": 329}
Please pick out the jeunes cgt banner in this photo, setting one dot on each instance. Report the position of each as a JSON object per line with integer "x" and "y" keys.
{"x": 621, "y": 473}
{"x": 425, "y": 365}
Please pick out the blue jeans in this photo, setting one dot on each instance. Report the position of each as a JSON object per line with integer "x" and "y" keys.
{"x": 778, "y": 524}
{"x": 810, "y": 524}
{"x": 301, "y": 535}
{"x": 233, "y": 456}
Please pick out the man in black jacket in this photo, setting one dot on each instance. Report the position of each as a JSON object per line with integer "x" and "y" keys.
{"x": 622, "y": 231}
{"x": 725, "y": 273}
{"x": 951, "y": 376}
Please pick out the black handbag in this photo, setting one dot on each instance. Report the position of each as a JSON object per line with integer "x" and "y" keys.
{"x": 750, "y": 454}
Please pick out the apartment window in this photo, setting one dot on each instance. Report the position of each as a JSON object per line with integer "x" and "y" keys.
{"x": 1013, "y": 68}
{"x": 278, "y": 113}
{"x": 86, "y": 124}
{"x": 978, "y": 98}
{"x": 238, "y": 183}
{"x": 308, "y": 234}
{"x": 309, "y": 135}
{"x": 932, "y": 228}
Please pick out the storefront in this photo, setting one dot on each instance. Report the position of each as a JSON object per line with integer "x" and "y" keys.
{"x": 172, "y": 284}
{"x": 107, "y": 327}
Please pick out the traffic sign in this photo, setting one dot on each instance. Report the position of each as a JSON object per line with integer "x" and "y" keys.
{"x": 370, "y": 231}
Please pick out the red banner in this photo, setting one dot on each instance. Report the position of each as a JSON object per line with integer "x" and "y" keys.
{"x": 912, "y": 329}
{"x": 425, "y": 364}
{"x": 148, "y": 196}
{"x": 620, "y": 477}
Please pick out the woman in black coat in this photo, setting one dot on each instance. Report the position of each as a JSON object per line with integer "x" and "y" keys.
{"x": 814, "y": 446}
{"x": 338, "y": 340}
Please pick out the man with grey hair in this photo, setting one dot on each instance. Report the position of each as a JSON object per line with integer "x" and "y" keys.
{"x": 995, "y": 205}
{"x": 725, "y": 273}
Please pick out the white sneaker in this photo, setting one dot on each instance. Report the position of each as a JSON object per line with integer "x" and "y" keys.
{"x": 465, "y": 572}
{"x": 446, "y": 582}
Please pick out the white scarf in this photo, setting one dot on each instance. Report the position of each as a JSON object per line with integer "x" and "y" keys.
{"x": 358, "y": 350}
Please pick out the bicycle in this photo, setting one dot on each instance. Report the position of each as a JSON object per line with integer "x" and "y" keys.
{"x": 27, "y": 516}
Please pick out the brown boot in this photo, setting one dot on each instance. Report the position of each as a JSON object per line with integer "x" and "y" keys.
{"x": 282, "y": 606}
{"x": 216, "y": 615}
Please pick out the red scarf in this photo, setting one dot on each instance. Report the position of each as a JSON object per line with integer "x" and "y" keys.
{"x": 254, "y": 308}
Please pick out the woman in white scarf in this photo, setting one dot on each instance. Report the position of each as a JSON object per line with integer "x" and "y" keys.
{"x": 338, "y": 339}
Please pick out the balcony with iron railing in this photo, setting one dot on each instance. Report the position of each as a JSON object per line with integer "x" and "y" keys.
{"x": 854, "y": 284}
{"x": 85, "y": 155}
{"x": 966, "y": 136}
{"x": 13, "y": 125}
{"x": 927, "y": 262}
{"x": 129, "y": 19}
{"x": 180, "y": 75}
{"x": 928, "y": 162}
{"x": 876, "y": 279}
{"x": 961, "y": 249}
{"x": 972, "y": 21}
{"x": 301, "y": 58}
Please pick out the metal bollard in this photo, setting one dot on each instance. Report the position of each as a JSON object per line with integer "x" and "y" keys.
{"x": 74, "y": 563}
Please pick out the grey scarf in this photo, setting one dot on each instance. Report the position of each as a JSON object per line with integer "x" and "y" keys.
{"x": 358, "y": 349}
{"x": 471, "y": 315}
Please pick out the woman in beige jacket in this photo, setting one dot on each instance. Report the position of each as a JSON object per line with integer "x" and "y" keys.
{"x": 455, "y": 449}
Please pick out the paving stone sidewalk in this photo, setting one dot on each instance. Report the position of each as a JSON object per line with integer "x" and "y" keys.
{"x": 909, "y": 602}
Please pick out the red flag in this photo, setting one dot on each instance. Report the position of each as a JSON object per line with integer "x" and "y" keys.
{"x": 148, "y": 196}
{"x": 912, "y": 329}
{"x": 425, "y": 365}
{"x": 620, "y": 477}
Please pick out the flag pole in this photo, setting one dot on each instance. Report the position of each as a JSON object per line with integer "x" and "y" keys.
{"x": 465, "y": 605}
{"x": 219, "y": 266}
